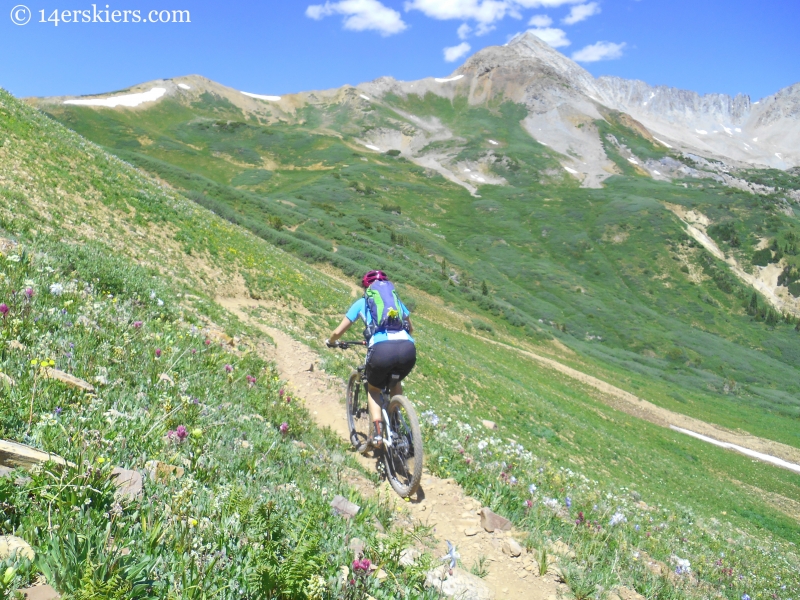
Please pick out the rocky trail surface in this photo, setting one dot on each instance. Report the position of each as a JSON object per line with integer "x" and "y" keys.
{"x": 441, "y": 503}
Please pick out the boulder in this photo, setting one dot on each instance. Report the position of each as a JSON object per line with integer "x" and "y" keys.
{"x": 129, "y": 483}
{"x": 491, "y": 521}
{"x": 10, "y": 545}
{"x": 343, "y": 507}
{"x": 461, "y": 584}
{"x": 489, "y": 424}
{"x": 471, "y": 531}
{"x": 511, "y": 547}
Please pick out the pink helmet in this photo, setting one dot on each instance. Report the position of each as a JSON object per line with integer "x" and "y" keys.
{"x": 373, "y": 276}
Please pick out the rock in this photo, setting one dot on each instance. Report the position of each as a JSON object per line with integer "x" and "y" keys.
{"x": 560, "y": 548}
{"x": 39, "y": 592}
{"x": 357, "y": 546}
{"x": 161, "y": 472}
{"x": 461, "y": 585}
{"x": 16, "y": 345}
{"x": 6, "y": 380}
{"x": 491, "y": 521}
{"x": 489, "y": 424}
{"x": 380, "y": 574}
{"x": 511, "y": 547}
{"x": 626, "y": 593}
{"x": 471, "y": 531}
{"x": 343, "y": 507}
{"x": 408, "y": 557}
{"x": 13, "y": 454}
{"x": 70, "y": 380}
{"x": 166, "y": 379}
{"x": 129, "y": 483}
{"x": 12, "y": 545}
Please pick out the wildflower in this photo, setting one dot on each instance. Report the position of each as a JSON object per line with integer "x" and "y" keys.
{"x": 56, "y": 289}
{"x": 280, "y": 392}
{"x": 158, "y": 352}
{"x": 29, "y": 293}
{"x": 57, "y": 411}
{"x": 4, "y": 309}
{"x": 431, "y": 417}
{"x": 683, "y": 567}
{"x": 512, "y": 480}
{"x": 284, "y": 427}
{"x": 228, "y": 368}
{"x": 192, "y": 522}
{"x": 197, "y": 433}
{"x": 482, "y": 444}
{"x": 137, "y": 324}
{"x": 452, "y": 556}
{"x": 568, "y": 502}
{"x": 532, "y": 488}
{"x": 160, "y": 302}
{"x": 207, "y": 342}
{"x": 617, "y": 518}
{"x": 152, "y": 295}
{"x": 194, "y": 351}
{"x": 181, "y": 433}
{"x": 745, "y": 597}
{"x": 636, "y": 527}
{"x": 528, "y": 503}
{"x": 361, "y": 566}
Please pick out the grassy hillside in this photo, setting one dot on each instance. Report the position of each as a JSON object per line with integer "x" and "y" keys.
{"x": 698, "y": 500}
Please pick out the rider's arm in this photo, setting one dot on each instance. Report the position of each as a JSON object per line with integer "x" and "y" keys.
{"x": 340, "y": 330}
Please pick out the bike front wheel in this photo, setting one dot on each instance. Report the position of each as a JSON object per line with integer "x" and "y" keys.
{"x": 358, "y": 421}
{"x": 403, "y": 458}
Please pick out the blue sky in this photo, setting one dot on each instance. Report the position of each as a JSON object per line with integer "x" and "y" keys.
{"x": 282, "y": 47}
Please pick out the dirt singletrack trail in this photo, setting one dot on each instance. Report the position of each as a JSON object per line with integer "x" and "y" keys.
{"x": 441, "y": 504}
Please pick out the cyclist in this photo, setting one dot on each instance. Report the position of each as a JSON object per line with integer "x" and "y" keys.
{"x": 389, "y": 351}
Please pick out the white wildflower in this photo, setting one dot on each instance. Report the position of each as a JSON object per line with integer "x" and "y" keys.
{"x": 482, "y": 444}
{"x": 532, "y": 488}
{"x": 56, "y": 289}
{"x": 617, "y": 518}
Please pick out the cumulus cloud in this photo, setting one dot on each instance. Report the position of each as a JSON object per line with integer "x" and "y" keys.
{"x": 556, "y": 38}
{"x": 453, "y": 53}
{"x": 484, "y": 12}
{"x": 463, "y": 31}
{"x": 361, "y": 15}
{"x": 581, "y": 12}
{"x": 599, "y": 51}
{"x": 540, "y": 21}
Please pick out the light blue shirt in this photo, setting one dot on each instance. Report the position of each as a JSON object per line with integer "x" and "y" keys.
{"x": 359, "y": 311}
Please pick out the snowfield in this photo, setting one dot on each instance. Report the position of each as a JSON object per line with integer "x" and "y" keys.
{"x": 129, "y": 100}
{"x": 445, "y": 80}
{"x": 262, "y": 97}
{"x": 183, "y": 86}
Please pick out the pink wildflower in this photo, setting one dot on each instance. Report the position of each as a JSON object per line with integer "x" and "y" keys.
{"x": 137, "y": 324}
{"x": 181, "y": 433}
{"x": 29, "y": 293}
{"x": 208, "y": 342}
{"x": 251, "y": 380}
{"x": 228, "y": 368}
{"x": 158, "y": 352}
{"x": 362, "y": 565}
{"x": 280, "y": 392}
{"x": 4, "y": 309}
{"x": 284, "y": 427}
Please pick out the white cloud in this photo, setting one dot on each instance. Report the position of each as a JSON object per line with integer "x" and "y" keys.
{"x": 484, "y": 12}
{"x": 453, "y": 53}
{"x": 599, "y": 51}
{"x": 581, "y": 12}
{"x": 540, "y": 21}
{"x": 361, "y": 15}
{"x": 556, "y": 38}
{"x": 463, "y": 31}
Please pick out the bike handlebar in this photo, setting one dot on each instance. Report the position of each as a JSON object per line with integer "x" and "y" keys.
{"x": 344, "y": 345}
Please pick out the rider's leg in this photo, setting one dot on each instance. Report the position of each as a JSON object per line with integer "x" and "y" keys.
{"x": 373, "y": 401}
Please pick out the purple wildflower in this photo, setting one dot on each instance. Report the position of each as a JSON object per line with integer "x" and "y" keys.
{"x": 137, "y": 324}
{"x": 181, "y": 433}
{"x": 4, "y": 309}
{"x": 280, "y": 392}
{"x": 568, "y": 501}
{"x": 284, "y": 427}
{"x": 29, "y": 293}
{"x": 158, "y": 352}
{"x": 57, "y": 411}
{"x": 362, "y": 566}
{"x": 228, "y": 368}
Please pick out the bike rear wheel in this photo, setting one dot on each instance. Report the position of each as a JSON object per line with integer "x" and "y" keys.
{"x": 403, "y": 459}
{"x": 358, "y": 420}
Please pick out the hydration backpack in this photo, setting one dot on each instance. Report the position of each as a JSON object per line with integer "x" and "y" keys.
{"x": 383, "y": 304}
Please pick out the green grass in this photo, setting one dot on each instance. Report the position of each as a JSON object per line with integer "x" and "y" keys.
{"x": 536, "y": 247}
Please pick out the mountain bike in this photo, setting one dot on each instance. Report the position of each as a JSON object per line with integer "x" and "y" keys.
{"x": 402, "y": 438}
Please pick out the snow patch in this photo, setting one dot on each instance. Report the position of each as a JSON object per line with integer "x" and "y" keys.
{"x": 262, "y": 97}
{"x": 364, "y": 97}
{"x": 129, "y": 100}
{"x": 755, "y": 139}
{"x": 445, "y": 80}
{"x": 701, "y": 131}
{"x": 542, "y": 143}
{"x": 467, "y": 171}
{"x": 738, "y": 130}
{"x": 759, "y": 455}
{"x": 371, "y": 147}
{"x": 568, "y": 170}
{"x": 778, "y": 154}
{"x": 632, "y": 161}
{"x": 656, "y": 172}
{"x": 663, "y": 143}
{"x": 183, "y": 86}
{"x": 493, "y": 143}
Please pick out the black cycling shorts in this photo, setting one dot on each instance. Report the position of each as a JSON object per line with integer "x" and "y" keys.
{"x": 392, "y": 357}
